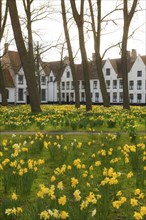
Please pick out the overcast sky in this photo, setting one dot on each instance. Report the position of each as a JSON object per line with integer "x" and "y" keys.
{"x": 50, "y": 30}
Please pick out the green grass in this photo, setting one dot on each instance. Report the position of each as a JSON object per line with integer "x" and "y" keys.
{"x": 112, "y": 150}
{"x": 91, "y": 144}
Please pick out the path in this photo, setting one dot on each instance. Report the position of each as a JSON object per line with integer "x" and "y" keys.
{"x": 65, "y": 132}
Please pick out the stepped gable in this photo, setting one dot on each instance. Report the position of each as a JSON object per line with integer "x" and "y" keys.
{"x": 15, "y": 61}
{"x": 9, "y": 83}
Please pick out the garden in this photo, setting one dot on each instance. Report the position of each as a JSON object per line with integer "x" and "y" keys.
{"x": 66, "y": 163}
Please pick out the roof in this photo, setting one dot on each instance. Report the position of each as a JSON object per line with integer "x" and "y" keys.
{"x": 143, "y": 59}
{"x": 92, "y": 71}
{"x": 117, "y": 65}
{"x": 9, "y": 83}
{"x": 57, "y": 67}
{"x": 15, "y": 60}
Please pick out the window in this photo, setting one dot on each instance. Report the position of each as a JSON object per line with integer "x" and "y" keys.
{"x": 108, "y": 84}
{"x": 114, "y": 97}
{"x": 20, "y": 79}
{"x": 131, "y": 84}
{"x": 63, "y": 97}
{"x": 43, "y": 93}
{"x": 96, "y": 97}
{"x": 107, "y": 72}
{"x": 94, "y": 84}
{"x": 121, "y": 84}
{"x": 139, "y": 73}
{"x": 67, "y": 85}
{"x": 71, "y": 96}
{"x": 121, "y": 97}
{"x": 43, "y": 80}
{"x": 131, "y": 98}
{"x": 139, "y": 84}
{"x": 108, "y": 95}
{"x": 20, "y": 94}
{"x": 83, "y": 85}
{"x": 91, "y": 94}
{"x": 67, "y": 74}
{"x": 82, "y": 96}
{"x": 63, "y": 85}
{"x": 115, "y": 84}
{"x": 72, "y": 85}
{"x": 67, "y": 97}
{"x": 51, "y": 78}
{"x": 139, "y": 98}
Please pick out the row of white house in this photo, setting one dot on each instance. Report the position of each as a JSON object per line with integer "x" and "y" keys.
{"x": 56, "y": 80}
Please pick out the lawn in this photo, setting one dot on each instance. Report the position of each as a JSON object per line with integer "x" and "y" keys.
{"x": 73, "y": 176}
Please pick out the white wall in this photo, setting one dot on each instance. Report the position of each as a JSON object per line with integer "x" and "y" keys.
{"x": 138, "y": 66}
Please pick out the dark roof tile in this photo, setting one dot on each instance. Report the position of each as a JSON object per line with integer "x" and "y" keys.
{"x": 9, "y": 83}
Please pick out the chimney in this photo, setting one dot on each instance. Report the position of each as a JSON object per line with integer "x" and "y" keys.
{"x": 128, "y": 54}
{"x": 66, "y": 61}
{"x": 133, "y": 55}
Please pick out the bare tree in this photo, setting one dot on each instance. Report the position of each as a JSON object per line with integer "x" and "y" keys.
{"x": 79, "y": 19}
{"x": 97, "y": 38}
{"x": 26, "y": 57}
{"x": 3, "y": 19}
{"x": 128, "y": 15}
{"x": 71, "y": 58}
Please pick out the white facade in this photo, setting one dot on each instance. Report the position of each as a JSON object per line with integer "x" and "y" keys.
{"x": 21, "y": 92}
{"x": 10, "y": 95}
{"x": 137, "y": 82}
{"x": 66, "y": 86}
{"x": 54, "y": 88}
{"x": 137, "y": 92}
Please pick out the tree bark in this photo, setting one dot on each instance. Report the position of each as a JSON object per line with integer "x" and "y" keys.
{"x": 79, "y": 21}
{"x": 128, "y": 15}
{"x": 26, "y": 58}
{"x": 71, "y": 59}
{"x": 2, "y": 27}
{"x": 97, "y": 36}
{"x": 2, "y": 88}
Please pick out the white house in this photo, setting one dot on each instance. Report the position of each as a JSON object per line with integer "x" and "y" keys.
{"x": 137, "y": 81}
{"x": 14, "y": 74}
{"x": 56, "y": 81}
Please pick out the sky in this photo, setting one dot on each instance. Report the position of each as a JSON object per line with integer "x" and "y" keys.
{"x": 49, "y": 30}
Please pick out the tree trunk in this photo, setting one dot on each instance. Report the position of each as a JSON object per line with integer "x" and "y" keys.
{"x": 85, "y": 70}
{"x": 106, "y": 101}
{"x": 128, "y": 15}
{"x": 97, "y": 36}
{"x": 124, "y": 58}
{"x": 27, "y": 60}
{"x": 2, "y": 27}
{"x": 71, "y": 59}
{"x": 2, "y": 88}
{"x": 79, "y": 21}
